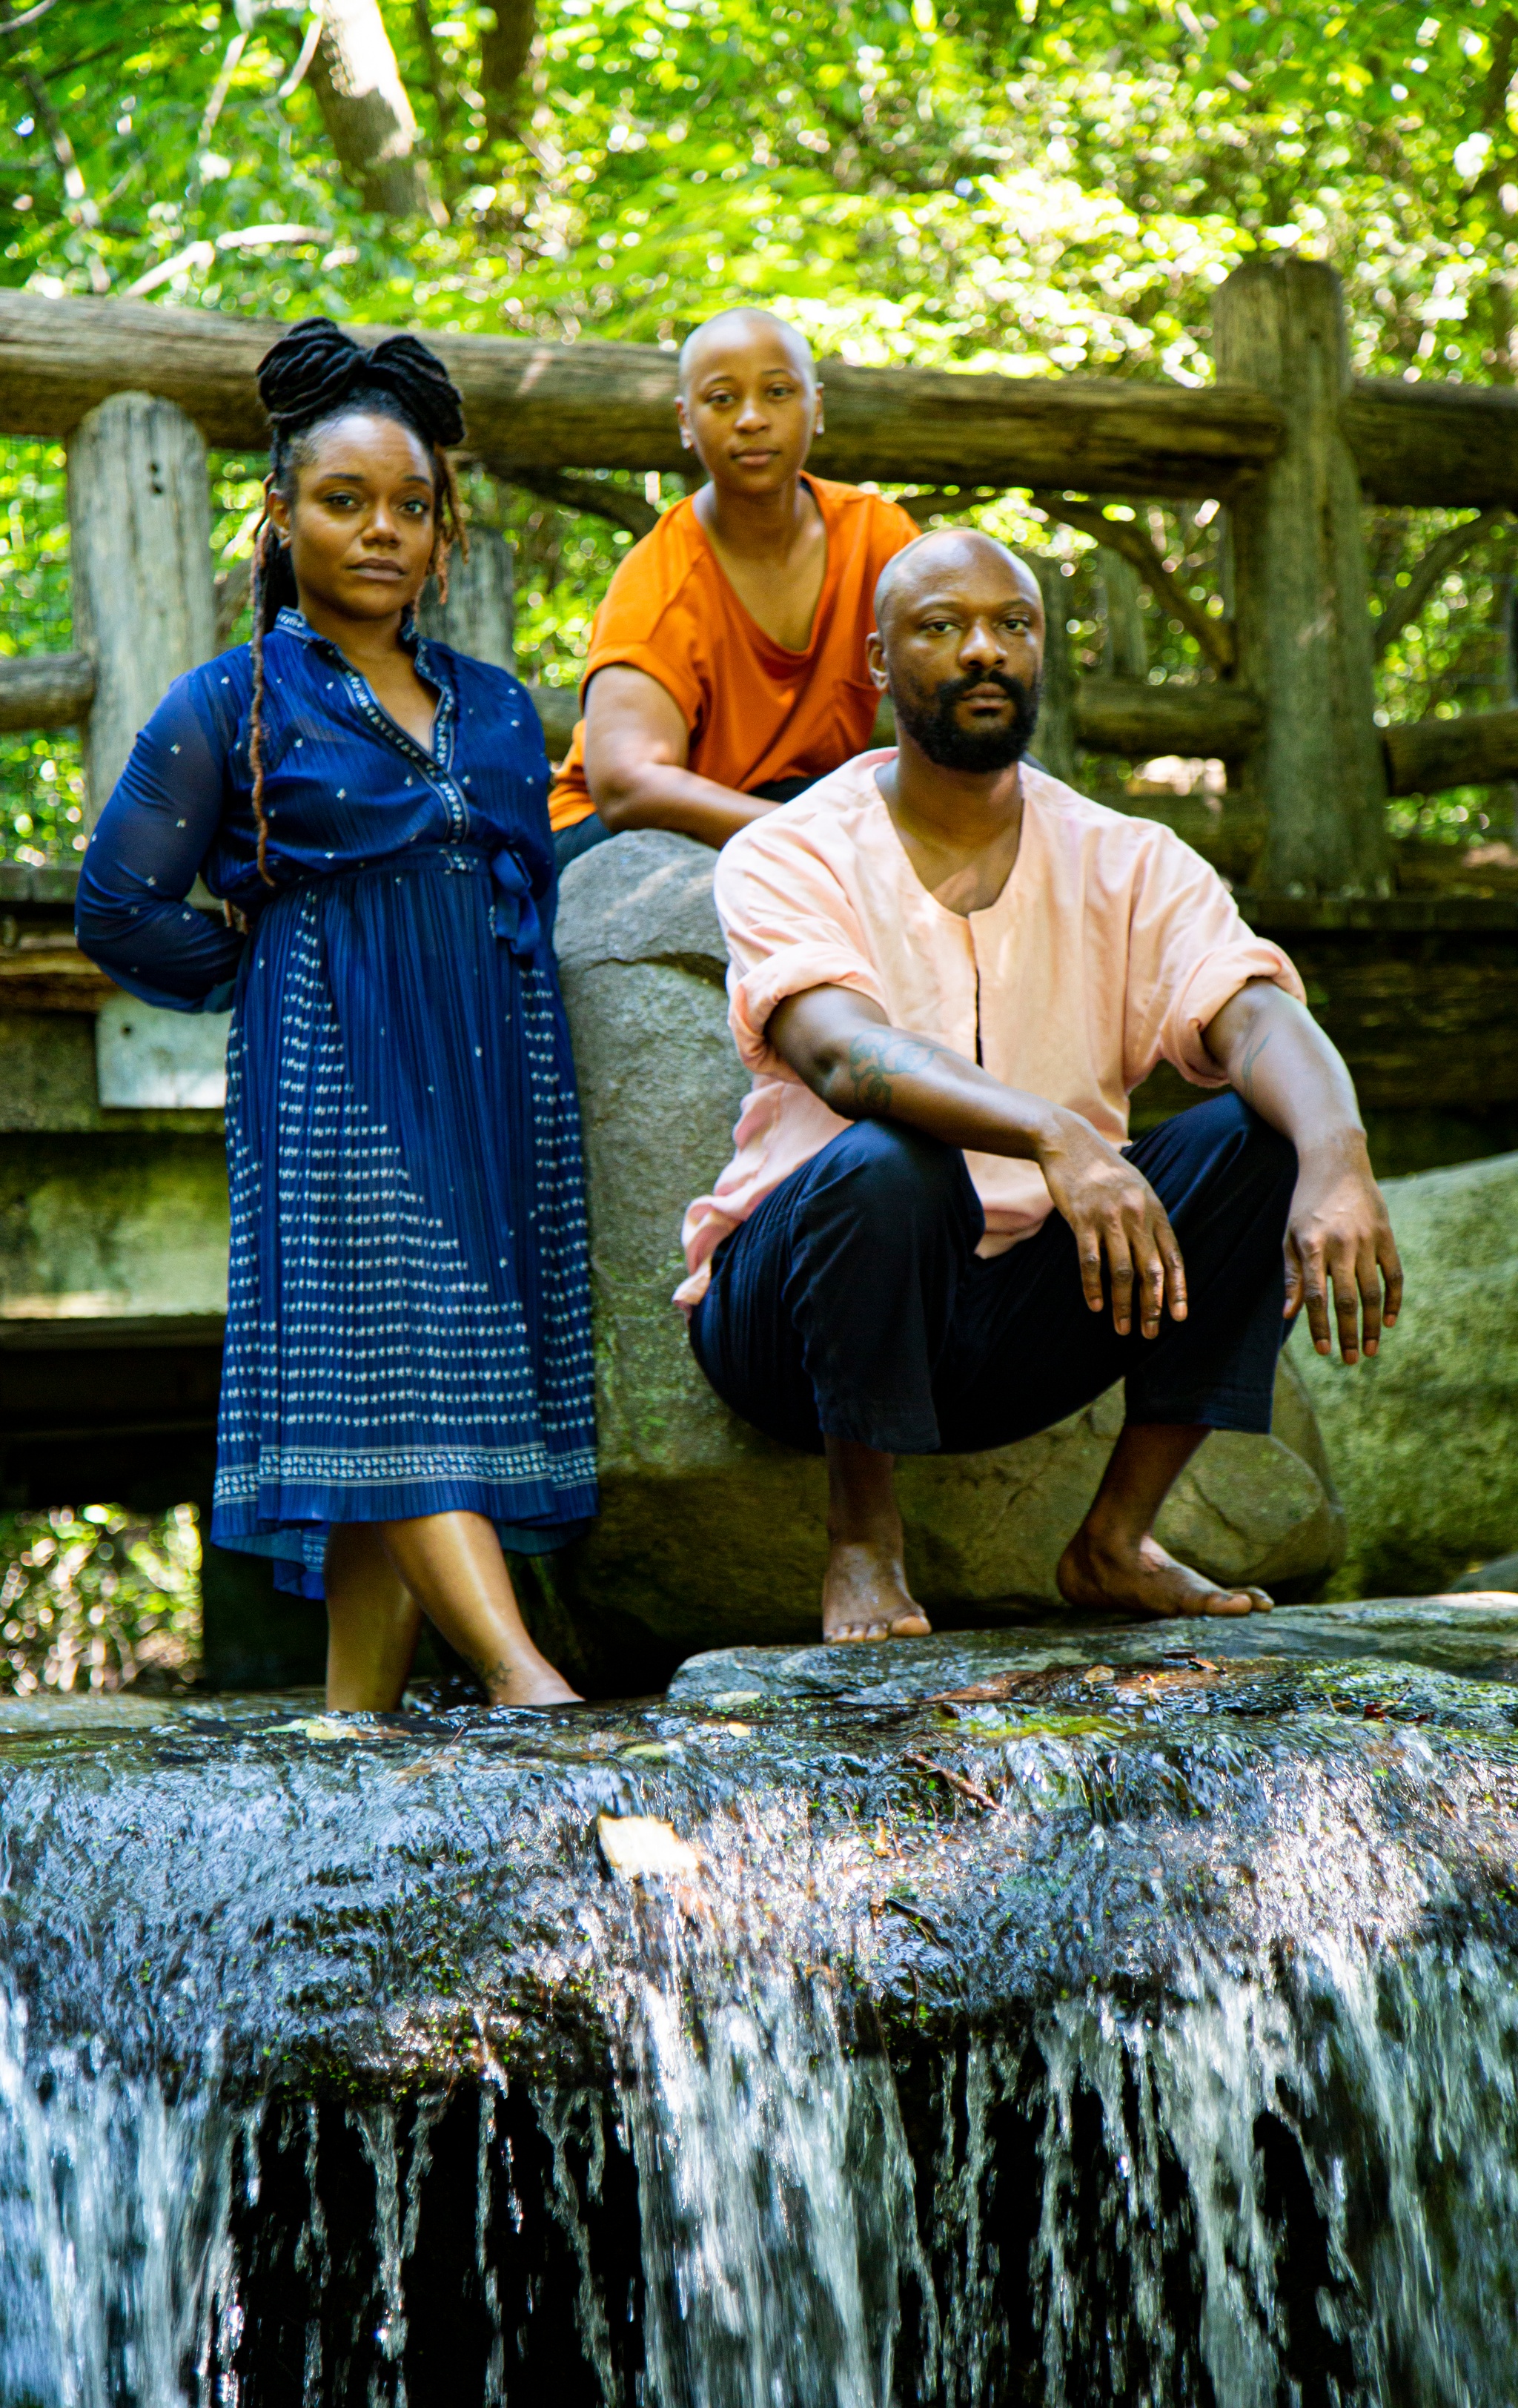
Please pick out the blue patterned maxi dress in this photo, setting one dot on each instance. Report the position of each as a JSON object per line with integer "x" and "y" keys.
{"x": 407, "y": 1316}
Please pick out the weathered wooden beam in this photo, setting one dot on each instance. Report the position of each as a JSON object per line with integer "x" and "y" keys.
{"x": 46, "y": 689}
{"x": 588, "y": 405}
{"x": 1451, "y": 446}
{"x": 1427, "y": 756}
{"x": 1141, "y": 722}
{"x": 1302, "y": 622}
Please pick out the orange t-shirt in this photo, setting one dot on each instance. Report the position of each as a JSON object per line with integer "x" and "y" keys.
{"x": 756, "y": 712}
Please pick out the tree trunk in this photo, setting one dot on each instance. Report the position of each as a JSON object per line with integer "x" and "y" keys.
{"x": 140, "y": 562}
{"x": 504, "y": 49}
{"x": 477, "y": 616}
{"x": 370, "y": 120}
{"x": 1304, "y": 642}
{"x": 1054, "y": 739}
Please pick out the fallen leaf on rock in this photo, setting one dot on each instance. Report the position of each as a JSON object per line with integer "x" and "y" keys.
{"x": 642, "y": 1847}
{"x": 443, "y": 1761}
{"x": 318, "y": 1726}
{"x": 987, "y": 1692}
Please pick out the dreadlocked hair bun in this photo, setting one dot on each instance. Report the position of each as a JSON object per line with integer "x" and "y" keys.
{"x": 310, "y": 375}
{"x": 312, "y": 371}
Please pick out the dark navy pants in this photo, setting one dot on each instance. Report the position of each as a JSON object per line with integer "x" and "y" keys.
{"x": 852, "y": 1302}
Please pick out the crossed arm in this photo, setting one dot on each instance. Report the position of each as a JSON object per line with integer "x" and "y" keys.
{"x": 637, "y": 745}
{"x": 1340, "y": 1255}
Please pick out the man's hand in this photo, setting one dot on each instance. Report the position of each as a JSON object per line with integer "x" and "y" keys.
{"x": 1116, "y": 1217}
{"x": 1280, "y": 1062}
{"x": 1338, "y": 1236}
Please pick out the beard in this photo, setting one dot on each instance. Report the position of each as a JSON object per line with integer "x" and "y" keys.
{"x": 929, "y": 721}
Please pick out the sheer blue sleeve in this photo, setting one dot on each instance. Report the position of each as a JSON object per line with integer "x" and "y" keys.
{"x": 131, "y": 916}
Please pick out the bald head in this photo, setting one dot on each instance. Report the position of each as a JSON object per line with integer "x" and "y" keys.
{"x": 951, "y": 559}
{"x": 960, "y": 647}
{"x": 748, "y": 402}
{"x": 740, "y": 335}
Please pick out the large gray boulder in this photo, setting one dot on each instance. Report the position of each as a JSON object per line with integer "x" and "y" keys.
{"x": 1424, "y": 1439}
{"x": 709, "y": 1534}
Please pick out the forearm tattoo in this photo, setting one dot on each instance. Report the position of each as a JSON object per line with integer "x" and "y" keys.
{"x": 877, "y": 1061}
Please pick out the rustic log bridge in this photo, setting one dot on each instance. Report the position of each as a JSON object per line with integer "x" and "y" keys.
{"x": 1286, "y": 437}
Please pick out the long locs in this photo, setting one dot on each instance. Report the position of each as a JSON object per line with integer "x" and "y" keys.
{"x": 263, "y": 540}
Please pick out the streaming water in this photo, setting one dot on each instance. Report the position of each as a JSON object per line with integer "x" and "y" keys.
{"x": 1143, "y": 2032}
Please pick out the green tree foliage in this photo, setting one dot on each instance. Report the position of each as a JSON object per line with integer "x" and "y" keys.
{"x": 1045, "y": 186}
{"x": 95, "y": 1600}
{"x": 1051, "y": 186}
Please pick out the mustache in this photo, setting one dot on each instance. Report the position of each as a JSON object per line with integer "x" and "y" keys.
{"x": 955, "y": 689}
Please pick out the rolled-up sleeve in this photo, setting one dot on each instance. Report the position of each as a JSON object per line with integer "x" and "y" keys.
{"x": 131, "y": 916}
{"x": 1190, "y": 950}
{"x": 789, "y": 926}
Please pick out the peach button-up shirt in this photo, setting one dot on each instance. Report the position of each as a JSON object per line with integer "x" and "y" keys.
{"x": 1110, "y": 947}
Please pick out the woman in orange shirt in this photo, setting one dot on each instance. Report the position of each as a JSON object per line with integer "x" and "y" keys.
{"x": 726, "y": 667}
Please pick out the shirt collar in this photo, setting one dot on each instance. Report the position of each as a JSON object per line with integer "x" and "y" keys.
{"x": 429, "y": 662}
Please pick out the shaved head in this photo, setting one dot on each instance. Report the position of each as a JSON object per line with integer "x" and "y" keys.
{"x": 959, "y": 638}
{"x": 744, "y": 329}
{"x": 943, "y": 558}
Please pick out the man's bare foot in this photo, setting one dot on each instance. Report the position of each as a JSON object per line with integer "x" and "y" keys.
{"x": 865, "y": 1595}
{"x": 1107, "y": 1576}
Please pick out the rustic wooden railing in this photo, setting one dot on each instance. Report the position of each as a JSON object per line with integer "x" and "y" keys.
{"x": 1287, "y": 441}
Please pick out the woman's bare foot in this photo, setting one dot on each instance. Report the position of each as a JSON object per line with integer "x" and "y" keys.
{"x": 1137, "y": 1576}
{"x": 528, "y": 1679}
{"x": 865, "y": 1595}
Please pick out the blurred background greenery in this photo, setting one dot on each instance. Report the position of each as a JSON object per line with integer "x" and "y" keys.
{"x": 1048, "y": 187}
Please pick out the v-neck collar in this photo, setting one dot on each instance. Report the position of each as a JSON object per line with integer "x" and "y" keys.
{"x": 436, "y": 758}
{"x": 1012, "y": 879}
{"x": 832, "y": 570}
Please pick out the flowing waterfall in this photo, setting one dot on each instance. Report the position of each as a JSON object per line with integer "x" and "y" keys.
{"x": 1169, "y": 2060}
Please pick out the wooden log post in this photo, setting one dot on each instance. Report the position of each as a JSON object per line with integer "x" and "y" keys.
{"x": 1054, "y": 739}
{"x": 478, "y": 615}
{"x": 140, "y": 564}
{"x": 1303, "y": 625}
{"x": 1126, "y": 650}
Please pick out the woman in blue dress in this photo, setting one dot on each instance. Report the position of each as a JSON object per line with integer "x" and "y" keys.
{"x": 407, "y": 1382}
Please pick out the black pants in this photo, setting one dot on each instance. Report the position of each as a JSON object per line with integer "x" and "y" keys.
{"x": 852, "y": 1303}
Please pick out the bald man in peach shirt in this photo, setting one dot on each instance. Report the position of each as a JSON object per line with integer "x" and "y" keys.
{"x": 948, "y": 972}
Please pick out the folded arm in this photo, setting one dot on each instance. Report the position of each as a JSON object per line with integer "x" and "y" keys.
{"x": 637, "y": 745}
{"x": 1273, "y": 1053}
{"x": 131, "y": 915}
{"x": 843, "y": 1047}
